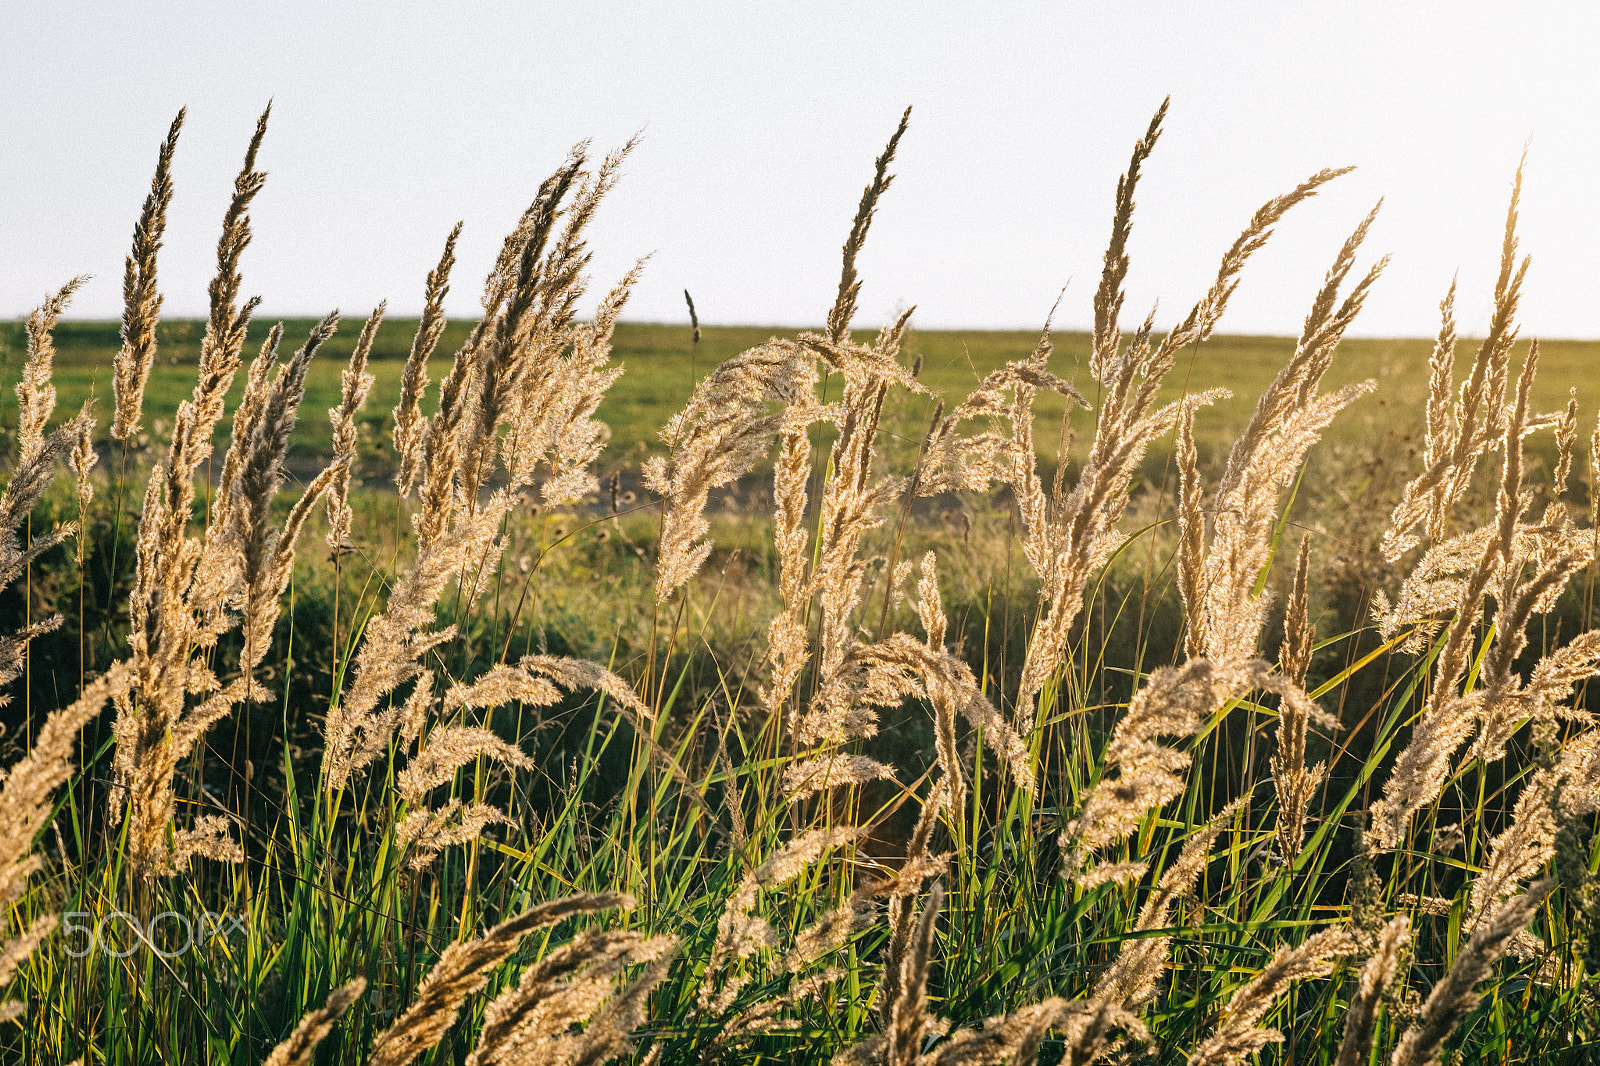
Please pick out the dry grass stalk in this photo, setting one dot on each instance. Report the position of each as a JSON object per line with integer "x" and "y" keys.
{"x": 1569, "y": 789}
{"x": 1239, "y": 1036}
{"x": 1457, "y": 574}
{"x": 740, "y": 932}
{"x": 1072, "y": 534}
{"x": 1361, "y": 1017}
{"x": 1453, "y": 997}
{"x": 409, "y": 425}
{"x": 1134, "y": 975}
{"x": 576, "y": 983}
{"x": 1139, "y": 772}
{"x": 844, "y": 305}
{"x": 1288, "y": 420}
{"x": 463, "y": 969}
{"x": 34, "y": 468}
{"x": 300, "y": 1047}
{"x": 1291, "y": 778}
{"x": 1459, "y": 433}
{"x": 357, "y": 383}
{"x": 528, "y": 373}
{"x": 27, "y": 789}
{"x": 140, "y": 298}
{"x": 183, "y": 585}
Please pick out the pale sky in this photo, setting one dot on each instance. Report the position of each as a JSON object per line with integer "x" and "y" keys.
{"x": 760, "y": 123}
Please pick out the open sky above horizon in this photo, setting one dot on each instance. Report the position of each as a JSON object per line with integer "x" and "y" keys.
{"x": 760, "y": 123}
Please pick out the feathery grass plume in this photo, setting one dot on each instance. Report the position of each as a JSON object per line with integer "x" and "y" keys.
{"x": 555, "y": 424}
{"x": 1293, "y": 781}
{"x": 1361, "y": 1017}
{"x": 844, "y": 305}
{"x": 1191, "y": 550}
{"x": 1238, "y": 1036}
{"x": 1133, "y": 976}
{"x": 576, "y": 983}
{"x": 1294, "y": 656}
{"x": 909, "y": 1023}
{"x": 356, "y": 384}
{"x": 34, "y": 468}
{"x": 463, "y": 968}
{"x": 1453, "y": 997}
{"x": 36, "y": 396}
{"x": 833, "y": 769}
{"x": 1139, "y": 772}
{"x": 519, "y": 318}
{"x": 181, "y": 590}
{"x": 357, "y": 731}
{"x": 1569, "y": 789}
{"x": 740, "y": 932}
{"x": 1288, "y": 420}
{"x": 719, "y": 436}
{"x": 14, "y": 953}
{"x": 1072, "y": 534}
{"x": 448, "y": 750}
{"x": 141, "y": 300}
{"x": 81, "y": 460}
{"x": 509, "y": 371}
{"x": 1457, "y": 574}
{"x": 266, "y": 551}
{"x": 1458, "y": 434}
{"x": 428, "y": 831}
{"x": 300, "y": 1047}
{"x": 409, "y": 425}
{"x": 27, "y": 790}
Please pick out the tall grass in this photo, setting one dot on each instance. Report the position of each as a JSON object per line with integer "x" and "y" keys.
{"x": 930, "y": 752}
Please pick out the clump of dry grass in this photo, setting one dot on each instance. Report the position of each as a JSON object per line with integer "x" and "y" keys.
{"x": 516, "y": 415}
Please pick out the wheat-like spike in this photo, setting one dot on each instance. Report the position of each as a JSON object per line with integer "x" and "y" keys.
{"x": 356, "y": 384}
{"x": 1109, "y": 296}
{"x": 909, "y": 1023}
{"x": 1191, "y": 538}
{"x": 740, "y": 932}
{"x": 26, "y": 787}
{"x": 463, "y": 968}
{"x": 408, "y": 422}
{"x": 36, "y": 396}
{"x": 1132, "y": 977}
{"x": 1420, "y": 771}
{"x": 844, "y": 305}
{"x": 1566, "y": 790}
{"x": 1477, "y": 416}
{"x": 1139, "y": 772}
{"x": 1238, "y": 1036}
{"x": 1082, "y": 534}
{"x": 141, "y": 300}
{"x": 719, "y": 435}
{"x": 82, "y": 460}
{"x": 265, "y": 557}
{"x": 1453, "y": 997}
{"x": 356, "y": 732}
{"x": 1361, "y": 1017}
{"x": 173, "y": 608}
{"x": 500, "y": 369}
{"x": 576, "y": 983}
{"x": 1294, "y": 656}
{"x": 300, "y": 1047}
{"x": 447, "y": 751}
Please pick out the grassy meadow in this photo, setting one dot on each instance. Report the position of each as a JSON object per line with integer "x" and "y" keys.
{"x": 428, "y": 693}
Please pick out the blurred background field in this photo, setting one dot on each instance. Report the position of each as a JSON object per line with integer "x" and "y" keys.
{"x": 661, "y": 365}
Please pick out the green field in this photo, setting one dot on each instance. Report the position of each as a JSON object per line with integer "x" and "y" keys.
{"x": 662, "y": 364}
